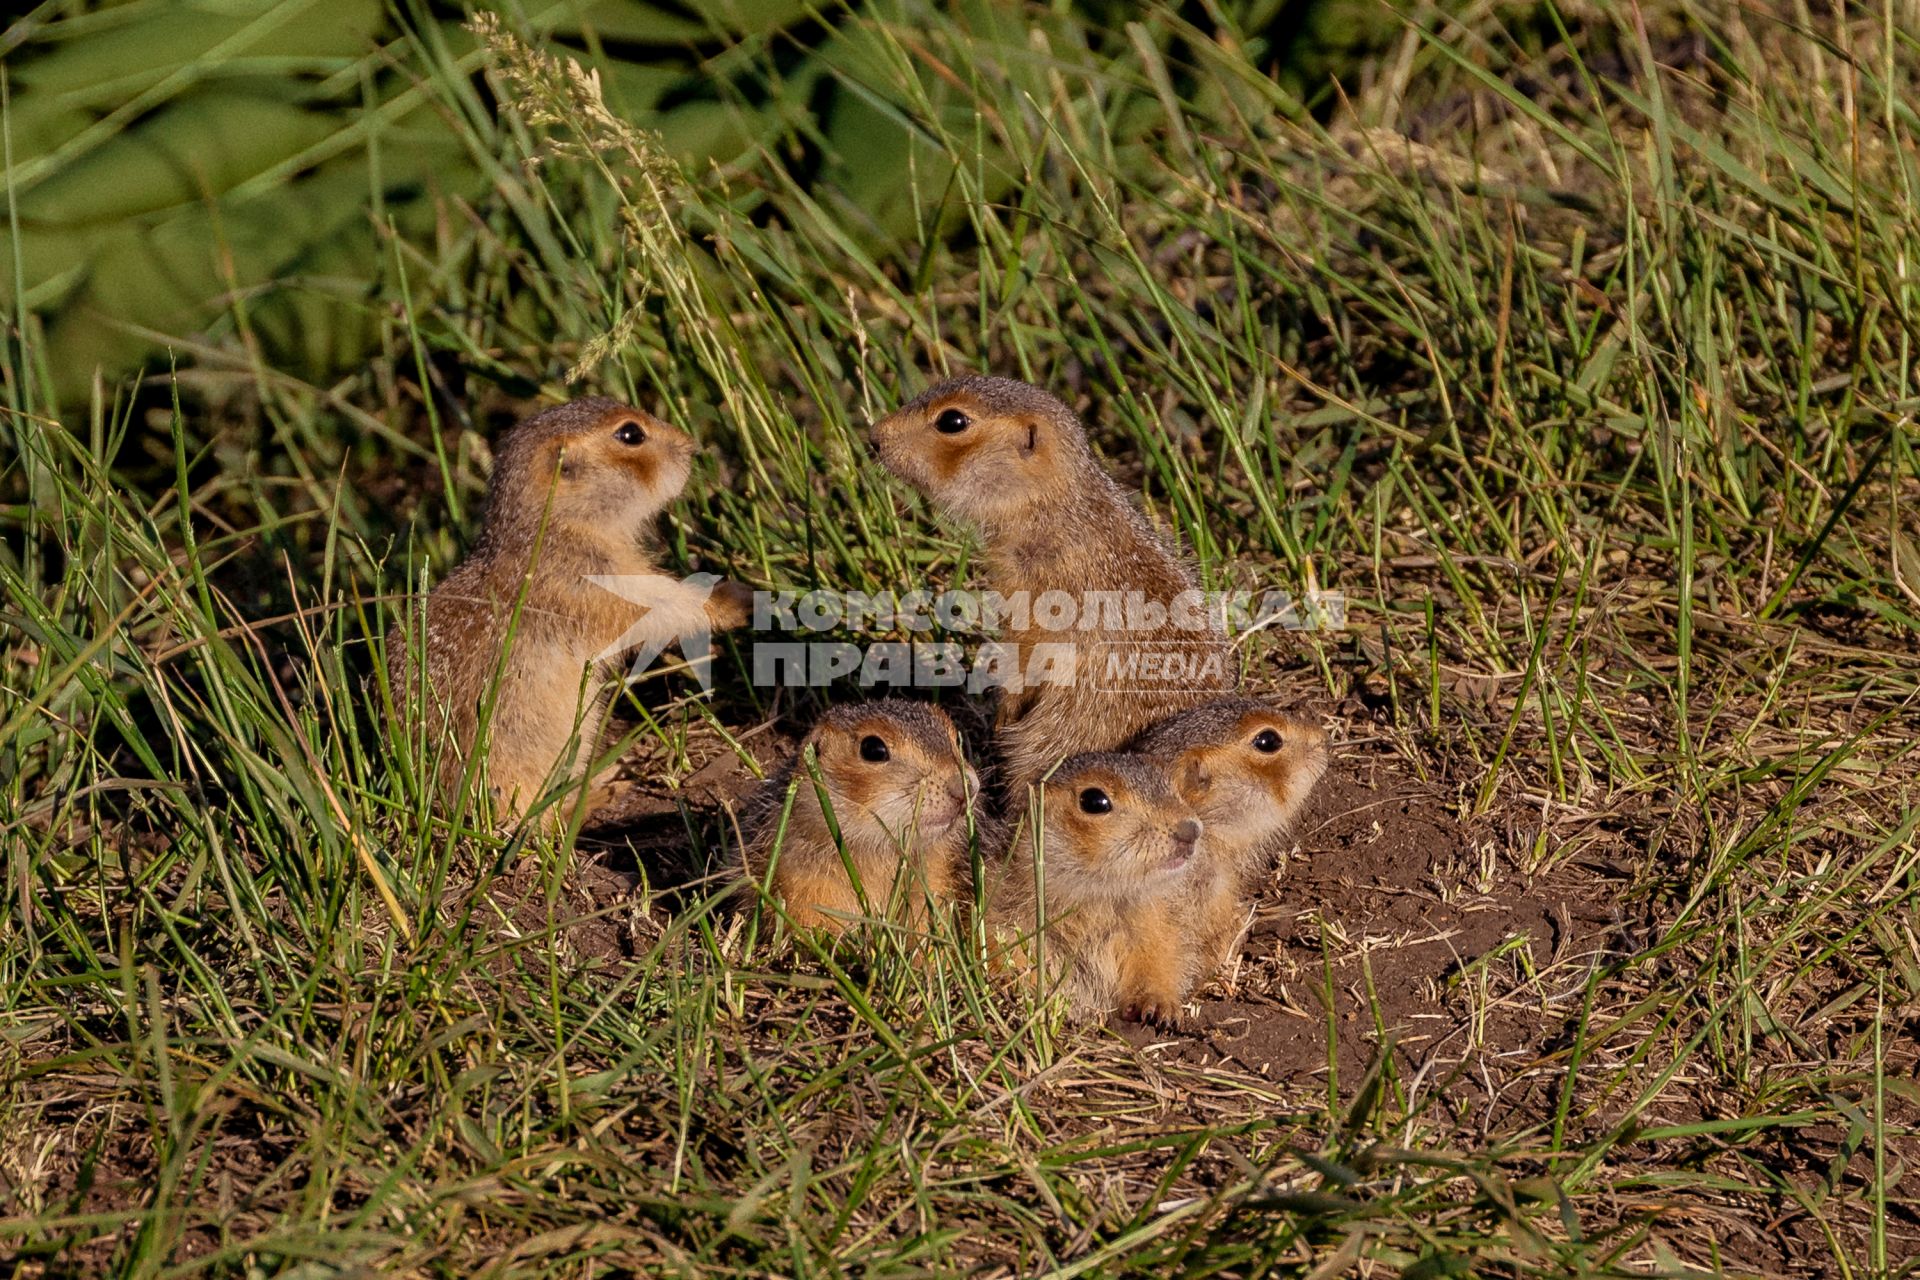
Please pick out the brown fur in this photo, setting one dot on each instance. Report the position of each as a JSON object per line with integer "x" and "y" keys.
{"x": 566, "y": 501}
{"x": 1117, "y": 888}
{"x": 903, "y": 822}
{"x": 1248, "y": 799}
{"x": 1052, "y": 519}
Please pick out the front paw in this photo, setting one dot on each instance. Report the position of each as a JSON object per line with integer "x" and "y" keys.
{"x": 730, "y": 605}
{"x": 1156, "y": 1011}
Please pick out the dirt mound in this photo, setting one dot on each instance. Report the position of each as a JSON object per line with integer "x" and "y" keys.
{"x": 1396, "y": 922}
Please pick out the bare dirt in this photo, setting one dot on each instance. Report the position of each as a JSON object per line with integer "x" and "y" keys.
{"x": 1397, "y": 926}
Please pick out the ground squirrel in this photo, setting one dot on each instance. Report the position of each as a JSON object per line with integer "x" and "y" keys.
{"x": 574, "y": 495}
{"x": 1246, "y": 770}
{"x": 1118, "y": 857}
{"x": 1015, "y": 462}
{"x": 900, "y": 791}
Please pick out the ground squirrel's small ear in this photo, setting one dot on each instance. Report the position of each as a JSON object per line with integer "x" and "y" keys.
{"x": 1191, "y": 779}
{"x": 1033, "y": 436}
{"x": 554, "y": 459}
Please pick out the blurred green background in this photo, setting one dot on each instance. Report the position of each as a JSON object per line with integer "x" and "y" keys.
{"x": 251, "y": 174}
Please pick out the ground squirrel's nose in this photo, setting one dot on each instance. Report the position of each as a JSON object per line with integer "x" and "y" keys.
{"x": 1188, "y": 831}
{"x": 962, "y": 785}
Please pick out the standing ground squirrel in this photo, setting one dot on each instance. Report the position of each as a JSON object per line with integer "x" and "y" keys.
{"x": 574, "y": 496}
{"x": 1118, "y": 857}
{"x": 900, "y": 790}
{"x": 1246, "y": 770}
{"x": 1015, "y": 462}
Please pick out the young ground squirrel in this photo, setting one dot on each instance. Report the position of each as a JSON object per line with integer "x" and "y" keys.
{"x": 1015, "y": 462}
{"x": 574, "y": 496}
{"x": 900, "y": 791}
{"x": 1118, "y": 858}
{"x": 1246, "y": 770}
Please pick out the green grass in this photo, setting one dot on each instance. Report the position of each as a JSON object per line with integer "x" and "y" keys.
{"x": 1577, "y": 351}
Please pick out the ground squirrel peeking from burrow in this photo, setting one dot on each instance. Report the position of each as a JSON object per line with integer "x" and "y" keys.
{"x": 1014, "y": 461}
{"x": 1246, "y": 770}
{"x": 902, "y": 798}
{"x": 562, "y": 585}
{"x": 1105, "y": 895}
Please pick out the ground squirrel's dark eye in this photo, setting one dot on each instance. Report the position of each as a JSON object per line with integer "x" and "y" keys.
{"x": 1094, "y": 800}
{"x": 630, "y": 433}
{"x": 951, "y": 422}
{"x": 1266, "y": 742}
{"x": 873, "y": 748}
